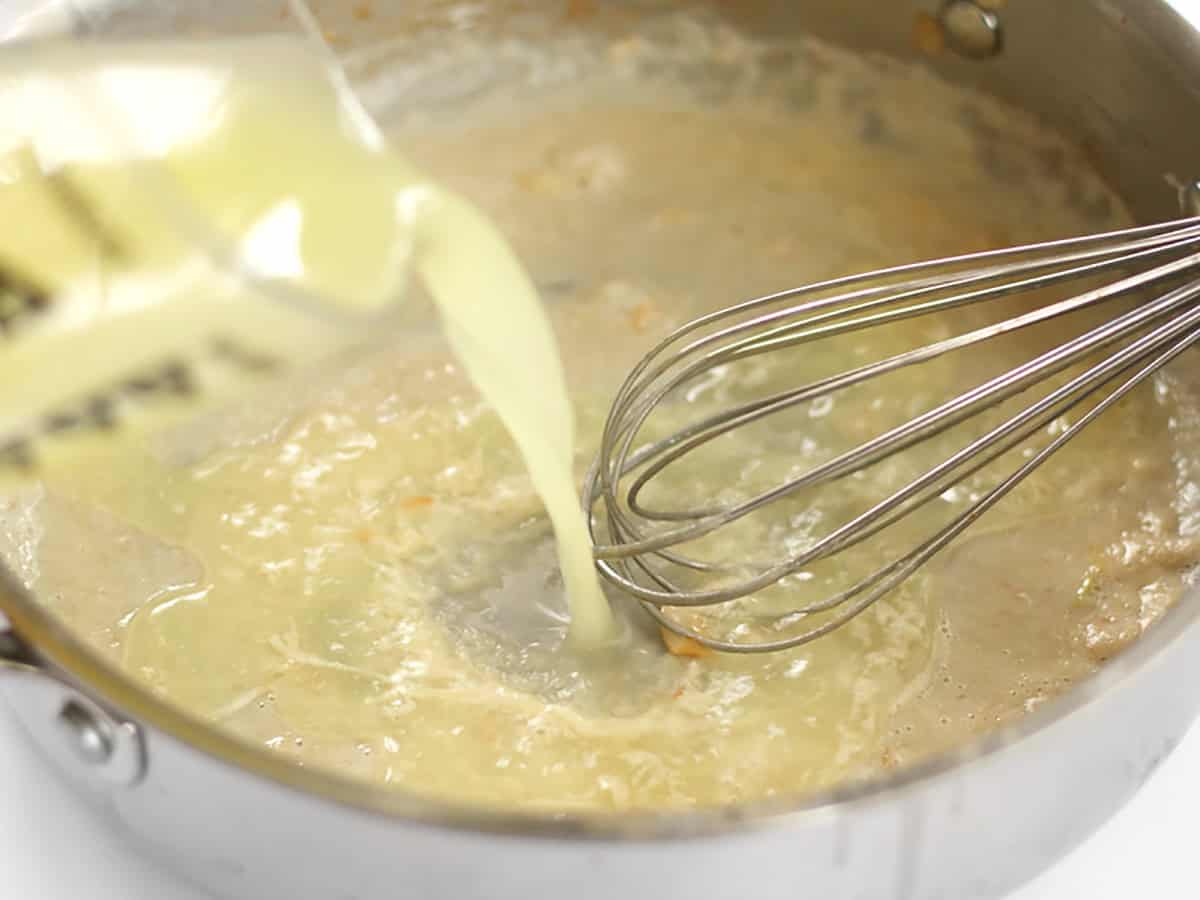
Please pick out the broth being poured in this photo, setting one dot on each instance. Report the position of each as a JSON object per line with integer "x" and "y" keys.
{"x": 357, "y": 570}
{"x": 217, "y": 127}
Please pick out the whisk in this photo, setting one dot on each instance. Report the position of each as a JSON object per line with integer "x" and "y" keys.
{"x": 639, "y": 548}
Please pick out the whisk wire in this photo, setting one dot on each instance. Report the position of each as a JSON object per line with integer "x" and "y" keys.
{"x": 1147, "y": 238}
{"x": 928, "y": 424}
{"x": 689, "y": 437}
{"x": 1144, "y": 338}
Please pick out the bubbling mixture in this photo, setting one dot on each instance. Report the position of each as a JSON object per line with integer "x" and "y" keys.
{"x": 357, "y": 572}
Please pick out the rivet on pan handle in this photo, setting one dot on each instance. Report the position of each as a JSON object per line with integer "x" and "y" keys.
{"x": 93, "y": 742}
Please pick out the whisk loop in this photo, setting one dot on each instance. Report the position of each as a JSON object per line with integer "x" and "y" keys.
{"x": 639, "y": 547}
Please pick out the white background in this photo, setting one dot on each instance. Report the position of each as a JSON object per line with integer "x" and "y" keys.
{"x": 51, "y": 850}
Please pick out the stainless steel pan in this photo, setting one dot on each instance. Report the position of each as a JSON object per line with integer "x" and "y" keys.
{"x": 1122, "y": 76}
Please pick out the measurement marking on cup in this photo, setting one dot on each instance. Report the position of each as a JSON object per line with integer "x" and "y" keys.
{"x": 78, "y": 208}
{"x": 172, "y": 377}
{"x": 102, "y": 411}
{"x": 20, "y": 301}
{"x": 227, "y": 349}
{"x": 94, "y": 413}
{"x": 17, "y": 454}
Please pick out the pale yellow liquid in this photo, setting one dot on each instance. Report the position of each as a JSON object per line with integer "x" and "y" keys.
{"x": 356, "y": 571}
{"x": 250, "y": 145}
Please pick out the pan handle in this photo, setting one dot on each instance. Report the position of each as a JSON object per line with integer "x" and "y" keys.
{"x": 79, "y": 731}
{"x": 13, "y": 651}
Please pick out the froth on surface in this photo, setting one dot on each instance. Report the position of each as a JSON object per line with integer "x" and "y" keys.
{"x": 363, "y": 582}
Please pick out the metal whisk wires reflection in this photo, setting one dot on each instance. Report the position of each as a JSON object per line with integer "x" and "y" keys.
{"x": 642, "y": 549}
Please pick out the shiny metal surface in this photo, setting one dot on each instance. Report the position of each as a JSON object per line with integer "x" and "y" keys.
{"x": 971, "y": 29}
{"x": 101, "y": 748}
{"x": 970, "y": 825}
{"x": 643, "y": 549}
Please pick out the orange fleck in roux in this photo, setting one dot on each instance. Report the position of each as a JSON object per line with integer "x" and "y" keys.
{"x": 683, "y": 646}
{"x": 579, "y": 10}
{"x": 928, "y": 36}
{"x": 639, "y": 317}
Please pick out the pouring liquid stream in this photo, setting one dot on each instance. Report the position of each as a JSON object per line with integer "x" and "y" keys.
{"x": 137, "y": 172}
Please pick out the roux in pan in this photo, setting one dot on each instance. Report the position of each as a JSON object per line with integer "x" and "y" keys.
{"x": 359, "y": 574}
